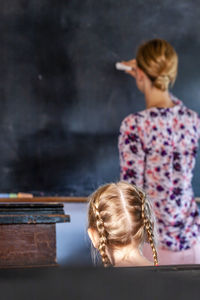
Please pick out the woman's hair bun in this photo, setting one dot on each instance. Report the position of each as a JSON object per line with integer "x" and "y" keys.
{"x": 162, "y": 82}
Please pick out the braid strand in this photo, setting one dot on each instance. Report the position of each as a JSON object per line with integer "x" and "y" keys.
{"x": 149, "y": 229}
{"x": 102, "y": 236}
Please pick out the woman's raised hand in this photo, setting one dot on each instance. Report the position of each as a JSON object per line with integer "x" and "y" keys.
{"x": 131, "y": 63}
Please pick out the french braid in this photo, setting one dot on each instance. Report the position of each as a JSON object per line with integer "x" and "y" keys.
{"x": 102, "y": 235}
{"x": 148, "y": 226}
{"x": 120, "y": 214}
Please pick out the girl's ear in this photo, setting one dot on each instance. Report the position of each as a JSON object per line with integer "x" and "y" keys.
{"x": 94, "y": 236}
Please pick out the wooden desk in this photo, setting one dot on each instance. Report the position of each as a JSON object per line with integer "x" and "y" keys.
{"x": 27, "y": 233}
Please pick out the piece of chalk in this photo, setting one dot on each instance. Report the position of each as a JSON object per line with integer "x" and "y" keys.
{"x": 12, "y": 195}
{"x": 24, "y": 195}
{"x": 4, "y": 195}
{"x": 122, "y": 67}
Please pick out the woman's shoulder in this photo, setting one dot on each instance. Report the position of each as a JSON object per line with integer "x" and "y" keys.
{"x": 182, "y": 108}
{"x": 133, "y": 119}
{"x": 185, "y": 112}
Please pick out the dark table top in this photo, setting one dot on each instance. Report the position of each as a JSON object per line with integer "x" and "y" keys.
{"x": 152, "y": 283}
{"x": 32, "y": 213}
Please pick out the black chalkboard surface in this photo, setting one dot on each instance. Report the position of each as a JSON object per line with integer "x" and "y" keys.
{"x": 62, "y": 101}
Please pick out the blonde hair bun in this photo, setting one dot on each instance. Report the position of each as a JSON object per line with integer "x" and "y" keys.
{"x": 159, "y": 61}
{"x": 162, "y": 82}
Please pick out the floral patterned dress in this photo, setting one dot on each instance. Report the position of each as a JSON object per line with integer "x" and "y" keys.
{"x": 157, "y": 149}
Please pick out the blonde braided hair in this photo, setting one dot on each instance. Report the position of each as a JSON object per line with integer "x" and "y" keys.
{"x": 121, "y": 215}
{"x": 148, "y": 225}
{"x": 102, "y": 235}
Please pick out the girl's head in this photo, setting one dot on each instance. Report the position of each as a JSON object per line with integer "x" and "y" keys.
{"x": 159, "y": 61}
{"x": 119, "y": 215}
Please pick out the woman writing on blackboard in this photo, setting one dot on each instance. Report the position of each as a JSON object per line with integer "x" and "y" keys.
{"x": 157, "y": 149}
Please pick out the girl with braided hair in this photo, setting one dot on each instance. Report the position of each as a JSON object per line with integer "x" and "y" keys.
{"x": 120, "y": 220}
{"x": 157, "y": 149}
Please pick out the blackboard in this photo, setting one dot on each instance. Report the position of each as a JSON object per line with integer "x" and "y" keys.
{"x": 62, "y": 101}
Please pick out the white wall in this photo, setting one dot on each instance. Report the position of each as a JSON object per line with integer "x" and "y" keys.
{"x": 73, "y": 246}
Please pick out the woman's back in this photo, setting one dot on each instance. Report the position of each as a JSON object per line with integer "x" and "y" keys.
{"x": 157, "y": 152}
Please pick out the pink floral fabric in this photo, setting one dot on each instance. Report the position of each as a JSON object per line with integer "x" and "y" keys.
{"x": 157, "y": 149}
